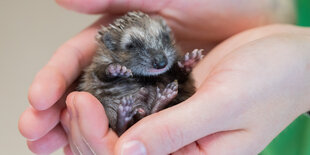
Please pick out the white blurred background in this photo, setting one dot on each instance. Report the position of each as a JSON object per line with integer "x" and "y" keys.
{"x": 30, "y": 31}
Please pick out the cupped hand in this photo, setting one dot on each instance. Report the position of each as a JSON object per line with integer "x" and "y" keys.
{"x": 251, "y": 87}
{"x": 48, "y": 92}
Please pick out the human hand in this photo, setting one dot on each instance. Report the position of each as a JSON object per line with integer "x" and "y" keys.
{"x": 39, "y": 123}
{"x": 198, "y": 23}
{"x": 253, "y": 86}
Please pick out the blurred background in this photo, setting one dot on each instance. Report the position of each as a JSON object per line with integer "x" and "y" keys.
{"x": 30, "y": 31}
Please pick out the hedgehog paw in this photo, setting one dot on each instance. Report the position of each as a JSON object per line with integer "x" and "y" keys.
{"x": 116, "y": 70}
{"x": 190, "y": 60}
{"x": 165, "y": 96}
{"x": 125, "y": 114}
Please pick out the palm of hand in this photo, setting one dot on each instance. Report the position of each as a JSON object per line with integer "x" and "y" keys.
{"x": 251, "y": 82}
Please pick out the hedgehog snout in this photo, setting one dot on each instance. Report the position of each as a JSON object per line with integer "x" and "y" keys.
{"x": 160, "y": 61}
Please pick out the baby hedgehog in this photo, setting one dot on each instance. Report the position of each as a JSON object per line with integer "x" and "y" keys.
{"x": 137, "y": 70}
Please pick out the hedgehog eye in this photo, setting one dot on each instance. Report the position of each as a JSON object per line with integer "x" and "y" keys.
{"x": 130, "y": 46}
{"x": 166, "y": 37}
{"x": 134, "y": 44}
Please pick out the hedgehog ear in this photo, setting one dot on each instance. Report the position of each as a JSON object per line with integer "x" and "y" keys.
{"x": 107, "y": 39}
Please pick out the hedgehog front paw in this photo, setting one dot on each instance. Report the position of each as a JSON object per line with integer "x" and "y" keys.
{"x": 190, "y": 60}
{"x": 164, "y": 97}
{"x": 116, "y": 70}
{"x": 125, "y": 114}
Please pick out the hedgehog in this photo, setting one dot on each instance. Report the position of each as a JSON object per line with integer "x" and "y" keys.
{"x": 138, "y": 70}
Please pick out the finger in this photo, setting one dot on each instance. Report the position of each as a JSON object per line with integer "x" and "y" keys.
{"x": 63, "y": 68}
{"x": 34, "y": 124}
{"x": 169, "y": 130}
{"x": 233, "y": 142}
{"x": 67, "y": 125}
{"x": 113, "y": 6}
{"x": 52, "y": 141}
{"x": 93, "y": 124}
{"x": 76, "y": 139}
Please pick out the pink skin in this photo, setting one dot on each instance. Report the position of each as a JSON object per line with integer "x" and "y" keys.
{"x": 47, "y": 93}
{"x": 191, "y": 28}
{"x": 154, "y": 71}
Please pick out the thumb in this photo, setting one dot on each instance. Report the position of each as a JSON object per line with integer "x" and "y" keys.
{"x": 112, "y": 6}
{"x": 87, "y": 125}
{"x": 169, "y": 130}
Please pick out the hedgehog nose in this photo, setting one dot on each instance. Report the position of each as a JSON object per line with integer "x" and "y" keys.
{"x": 159, "y": 62}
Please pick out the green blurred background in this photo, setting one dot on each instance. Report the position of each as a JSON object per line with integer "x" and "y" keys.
{"x": 303, "y": 12}
{"x": 295, "y": 139}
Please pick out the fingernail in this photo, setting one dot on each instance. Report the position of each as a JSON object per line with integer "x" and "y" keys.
{"x": 133, "y": 148}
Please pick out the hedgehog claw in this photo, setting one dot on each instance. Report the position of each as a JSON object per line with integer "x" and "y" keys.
{"x": 164, "y": 97}
{"x": 190, "y": 60}
{"x": 125, "y": 114}
{"x": 116, "y": 70}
